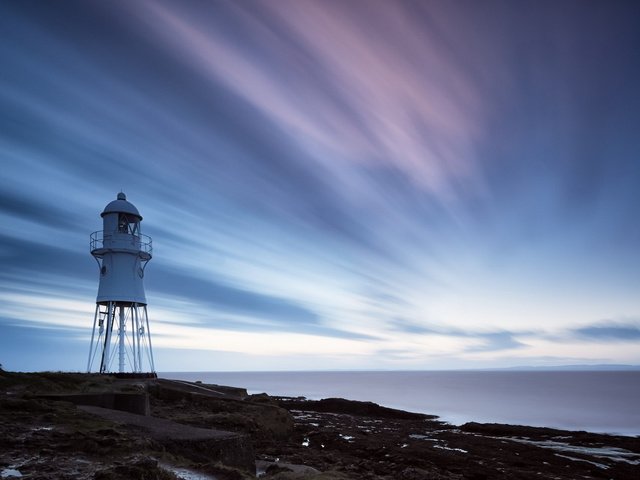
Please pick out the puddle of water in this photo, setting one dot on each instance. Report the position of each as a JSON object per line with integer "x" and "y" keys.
{"x": 599, "y": 465}
{"x": 186, "y": 474}
{"x": 10, "y": 473}
{"x": 417, "y": 436}
{"x": 607, "y": 453}
{"x": 263, "y": 465}
{"x": 450, "y": 449}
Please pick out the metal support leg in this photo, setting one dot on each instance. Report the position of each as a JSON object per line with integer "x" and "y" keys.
{"x": 104, "y": 364}
{"x": 121, "y": 333}
{"x": 134, "y": 343}
{"x": 146, "y": 316}
{"x": 93, "y": 334}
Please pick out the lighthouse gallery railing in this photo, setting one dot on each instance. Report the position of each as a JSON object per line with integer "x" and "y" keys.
{"x": 140, "y": 242}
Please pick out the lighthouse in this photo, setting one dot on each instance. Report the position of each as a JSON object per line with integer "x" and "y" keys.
{"x": 121, "y": 340}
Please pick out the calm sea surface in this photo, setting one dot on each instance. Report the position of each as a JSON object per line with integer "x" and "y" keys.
{"x": 603, "y": 401}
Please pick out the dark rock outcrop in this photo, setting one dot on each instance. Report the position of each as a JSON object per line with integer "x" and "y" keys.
{"x": 263, "y": 421}
{"x": 293, "y": 438}
{"x": 198, "y": 444}
{"x": 340, "y": 405}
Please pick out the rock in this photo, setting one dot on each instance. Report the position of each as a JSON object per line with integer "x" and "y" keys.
{"x": 340, "y": 439}
{"x": 340, "y": 405}
{"x": 141, "y": 469}
{"x": 197, "y": 444}
{"x": 263, "y": 420}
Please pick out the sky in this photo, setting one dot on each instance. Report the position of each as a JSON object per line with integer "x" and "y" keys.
{"x": 354, "y": 184}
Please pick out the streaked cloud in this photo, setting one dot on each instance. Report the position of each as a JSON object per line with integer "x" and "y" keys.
{"x": 394, "y": 101}
{"x": 396, "y": 185}
{"x": 610, "y": 332}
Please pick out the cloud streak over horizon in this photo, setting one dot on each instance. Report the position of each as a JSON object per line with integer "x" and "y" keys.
{"x": 406, "y": 185}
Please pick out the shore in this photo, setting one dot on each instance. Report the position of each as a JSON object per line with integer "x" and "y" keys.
{"x": 195, "y": 430}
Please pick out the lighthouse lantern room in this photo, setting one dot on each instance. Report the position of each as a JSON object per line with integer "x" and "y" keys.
{"x": 120, "y": 323}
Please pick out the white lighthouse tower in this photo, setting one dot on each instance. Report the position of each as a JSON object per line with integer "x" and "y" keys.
{"x": 120, "y": 323}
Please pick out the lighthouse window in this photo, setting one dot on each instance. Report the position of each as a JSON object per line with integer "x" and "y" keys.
{"x": 103, "y": 270}
{"x": 123, "y": 223}
{"x": 128, "y": 224}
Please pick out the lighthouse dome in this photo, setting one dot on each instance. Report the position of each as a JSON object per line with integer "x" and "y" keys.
{"x": 121, "y": 205}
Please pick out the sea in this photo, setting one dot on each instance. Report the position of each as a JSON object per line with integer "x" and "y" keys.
{"x": 594, "y": 401}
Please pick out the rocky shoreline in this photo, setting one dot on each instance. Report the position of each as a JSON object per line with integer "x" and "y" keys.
{"x": 198, "y": 431}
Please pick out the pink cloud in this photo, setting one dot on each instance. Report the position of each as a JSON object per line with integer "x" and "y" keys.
{"x": 389, "y": 93}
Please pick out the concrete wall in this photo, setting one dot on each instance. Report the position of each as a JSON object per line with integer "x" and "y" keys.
{"x": 137, "y": 403}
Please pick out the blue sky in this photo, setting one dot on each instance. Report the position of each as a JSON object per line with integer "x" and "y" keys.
{"x": 328, "y": 184}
